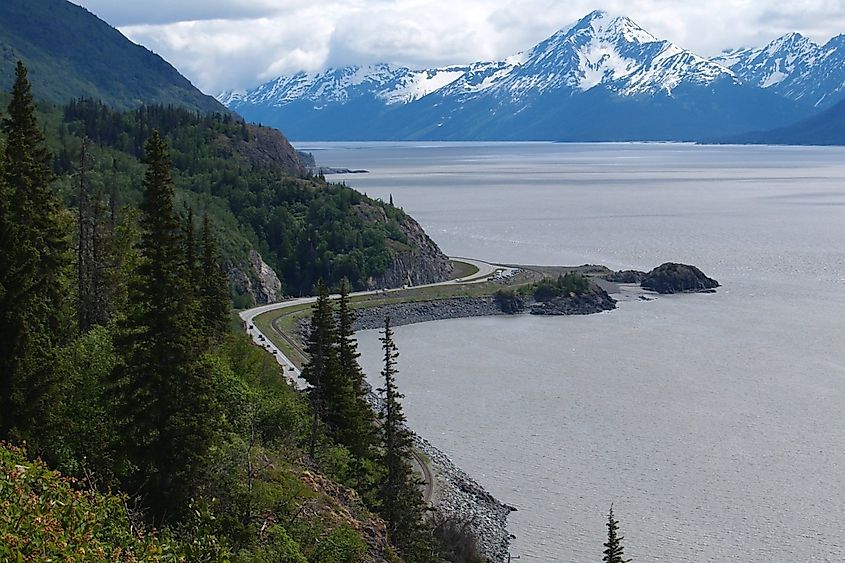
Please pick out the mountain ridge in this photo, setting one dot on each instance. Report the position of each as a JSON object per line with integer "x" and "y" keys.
{"x": 602, "y": 79}
{"x": 795, "y": 67}
{"x": 71, "y": 53}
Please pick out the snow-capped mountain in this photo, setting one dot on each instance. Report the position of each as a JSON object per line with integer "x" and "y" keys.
{"x": 388, "y": 83}
{"x": 794, "y": 67}
{"x": 603, "y": 78}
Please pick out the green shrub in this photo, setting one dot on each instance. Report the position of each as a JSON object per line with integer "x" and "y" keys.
{"x": 343, "y": 545}
{"x": 43, "y": 517}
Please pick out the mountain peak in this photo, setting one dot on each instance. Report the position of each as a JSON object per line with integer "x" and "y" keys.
{"x": 601, "y": 24}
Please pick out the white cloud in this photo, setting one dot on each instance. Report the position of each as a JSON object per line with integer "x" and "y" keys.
{"x": 221, "y": 44}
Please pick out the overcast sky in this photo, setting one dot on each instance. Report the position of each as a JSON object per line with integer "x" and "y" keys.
{"x": 224, "y": 44}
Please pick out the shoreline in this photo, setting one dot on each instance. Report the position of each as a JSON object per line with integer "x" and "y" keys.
{"x": 455, "y": 493}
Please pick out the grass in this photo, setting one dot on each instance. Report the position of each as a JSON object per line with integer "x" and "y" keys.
{"x": 463, "y": 269}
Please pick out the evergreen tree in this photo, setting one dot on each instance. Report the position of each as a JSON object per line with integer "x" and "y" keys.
{"x": 322, "y": 359}
{"x": 614, "y": 552}
{"x": 168, "y": 406}
{"x": 33, "y": 269}
{"x": 359, "y": 425}
{"x": 86, "y": 296}
{"x": 97, "y": 258}
{"x": 191, "y": 263}
{"x": 214, "y": 286}
{"x": 402, "y": 505}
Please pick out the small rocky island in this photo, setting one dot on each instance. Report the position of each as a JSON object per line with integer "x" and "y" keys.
{"x": 668, "y": 278}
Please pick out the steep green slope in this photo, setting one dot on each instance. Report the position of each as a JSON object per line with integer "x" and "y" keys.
{"x": 71, "y": 53}
{"x": 262, "y": 202}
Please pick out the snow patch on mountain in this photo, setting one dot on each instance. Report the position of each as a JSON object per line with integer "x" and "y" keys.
{"x": 415, "y": 85}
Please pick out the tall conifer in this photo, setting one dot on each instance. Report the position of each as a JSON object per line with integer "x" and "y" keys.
{"x": 169, "y": 411}
{"x": 214, "y": 286}
{"x": 402, "y": 505}
{"x": 613, "y": 552}
{"x": 322, "y": 359}
{"x": 358, "y": 431}
{"x": 33, "y": 269}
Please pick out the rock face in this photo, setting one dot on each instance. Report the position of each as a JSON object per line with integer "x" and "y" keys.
{"x": 419, "y": 262}
{"x": 257, "y": 279}
{"x": 263, "y": 147}
{"x": 593, "y": 301}
{"x": 625, "y": 276}
{"x": 677, "y": 278}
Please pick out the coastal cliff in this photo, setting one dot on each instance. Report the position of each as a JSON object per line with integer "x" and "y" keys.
{"x": 417, "y": 261}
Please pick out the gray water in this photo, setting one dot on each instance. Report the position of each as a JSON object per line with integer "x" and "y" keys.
{"x": 715, "y": 424}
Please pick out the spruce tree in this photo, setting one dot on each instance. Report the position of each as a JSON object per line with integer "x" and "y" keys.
{"x": 358, "y": 432}
{"x": 614, "y": 552}
{"x": 167, "y": 402}
{"x": 321, "y": 367}
{"x": 97, "y": 259}
{"x": 86, "y": 295}
{"x": 191, "y": 264}
{"x": 33, "y": 270}
{"x": 402, "y": 504}
{"x": 214, "y": 286}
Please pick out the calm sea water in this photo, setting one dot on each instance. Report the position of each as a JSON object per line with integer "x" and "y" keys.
{"x": 715, "y": 424}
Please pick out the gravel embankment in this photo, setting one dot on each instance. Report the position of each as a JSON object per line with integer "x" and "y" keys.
{"x": 423, "y": 311}
{"x": 458, "y": 496}
{"x": 461, "y": 497}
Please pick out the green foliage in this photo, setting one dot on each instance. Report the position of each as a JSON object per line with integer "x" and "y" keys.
{"x": 571, "y": 283}
{"x": 72, "y": 53}
{"x": 33, "y": 270}
{"x": 357, "y": 426}
{"x": 166, "y": 404}
{"x": 402, "y": 504}
{"x": 343, "y": 545}
{"x": 613, "y": 552}
{"x": 83, "y": 434}
{"x": 277, "y": 547}
{"x": 509, "y": 301}
{"x": 305, "y": 228}
{"x": 44, "y": 517}
{"x": 152, "y": 395}
{"x": 213, "y": 287}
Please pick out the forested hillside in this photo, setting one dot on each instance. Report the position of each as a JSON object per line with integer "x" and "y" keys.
{"x": 263, "y": 204}
{"x": 72, "y": 53}
{"x": 119, "y": 369}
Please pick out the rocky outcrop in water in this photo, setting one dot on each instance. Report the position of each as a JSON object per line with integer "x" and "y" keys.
{"x": 589, "y": 302}
{"x": 678, "y": 278}
{"x": 625, "y": 276}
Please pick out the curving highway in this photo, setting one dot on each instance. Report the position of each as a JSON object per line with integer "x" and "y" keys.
{"x": 485, "y": 272}
{"x": 291, "y": 372}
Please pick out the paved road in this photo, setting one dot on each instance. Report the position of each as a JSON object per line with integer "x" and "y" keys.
{"x": 485, "y": 272}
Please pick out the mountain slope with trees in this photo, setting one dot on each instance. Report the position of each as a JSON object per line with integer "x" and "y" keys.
{"x": 196, "y": 430}
{"x": 71, "y": 53}
{"x": 270, "y": 215}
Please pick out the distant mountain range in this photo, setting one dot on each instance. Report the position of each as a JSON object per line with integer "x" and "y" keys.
{"x": 602, "y": 79}
{"x": 794, "y": 67}
{"x": 70, "y": 53}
